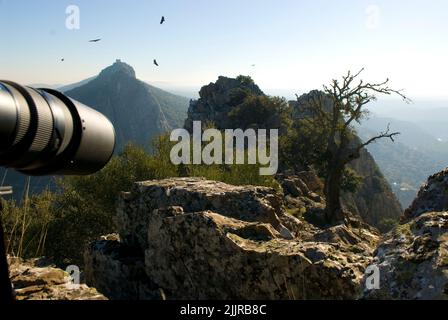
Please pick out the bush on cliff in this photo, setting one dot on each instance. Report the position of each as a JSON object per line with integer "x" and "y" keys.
{"x": 26, "y": 226}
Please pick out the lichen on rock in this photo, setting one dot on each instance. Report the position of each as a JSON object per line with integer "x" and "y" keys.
{"x": 33, "y": 281}
{"x": 413, "y": 259}
{"x": 192, "y": 238}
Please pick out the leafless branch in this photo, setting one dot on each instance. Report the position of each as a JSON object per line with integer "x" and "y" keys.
{"x": 382, "y": 135}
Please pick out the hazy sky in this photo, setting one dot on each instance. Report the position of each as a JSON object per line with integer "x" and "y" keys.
{"x": 294, "y": 44}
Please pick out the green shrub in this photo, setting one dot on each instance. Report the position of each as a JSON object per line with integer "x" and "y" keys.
{"x": 387, "y": 224}
{"x": 26, "y": 226}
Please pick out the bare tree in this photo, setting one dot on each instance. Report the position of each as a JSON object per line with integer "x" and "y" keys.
{"x": 335, "y": 111}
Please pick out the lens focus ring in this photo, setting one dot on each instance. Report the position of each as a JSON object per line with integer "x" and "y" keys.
{"x": 23, "y": 113}
{"x": 44, "y": 124}
{"x": 44, "y": 120}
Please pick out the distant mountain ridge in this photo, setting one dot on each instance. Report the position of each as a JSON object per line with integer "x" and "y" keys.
{"x": 414, "y": 135}
{"x": 408, "y": 162}
{"x": 138, "y": 110}
{"x": 428, "y": 114}
{"x": 72, "y": 86}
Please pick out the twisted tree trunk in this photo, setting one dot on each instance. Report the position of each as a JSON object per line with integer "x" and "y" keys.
{"x": 334, "y": 213}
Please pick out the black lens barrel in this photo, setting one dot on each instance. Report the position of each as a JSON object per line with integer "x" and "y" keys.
{"x": 8, "y": 117}
{"x": 43, "y": 132}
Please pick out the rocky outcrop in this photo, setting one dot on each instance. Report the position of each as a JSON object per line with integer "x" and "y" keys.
{"x": 433, "y": 196}
{"x": 413, "y": 260}
{"x": 34, "y": 281}
{"x": 118, "y": 271}
{"x": 190, "y": 238}
{"x": 302, "y": 184}
{"x": 218, "y": 99}
{"x": 249, "y": 203}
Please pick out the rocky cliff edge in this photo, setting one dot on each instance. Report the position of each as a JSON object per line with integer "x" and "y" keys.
{"x": 413, "y": 260}
{"x": 189, "y": 238}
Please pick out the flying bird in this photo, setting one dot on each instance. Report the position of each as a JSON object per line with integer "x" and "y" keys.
{"x": 155, "y": 62}
{"x": 95, "y": 40}
{"x": 252, "y": 65}
{"x": 162, "y": 20}
{"x": 62, "y": 60}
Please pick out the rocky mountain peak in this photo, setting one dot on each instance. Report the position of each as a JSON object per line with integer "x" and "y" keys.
{"x": 218, "y": 99}
{"x": 118, "y": 70}
{"x": 224, "y": 85}
{"x": 433, "y": 196}
{"x": 300, "y": 107}
{"x": 138, "y": 111}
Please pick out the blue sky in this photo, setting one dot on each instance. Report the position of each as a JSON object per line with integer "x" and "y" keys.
{"x": 295, "y": 44}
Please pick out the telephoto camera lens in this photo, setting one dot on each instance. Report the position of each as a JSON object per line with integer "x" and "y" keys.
{"x": 44, "y": 132}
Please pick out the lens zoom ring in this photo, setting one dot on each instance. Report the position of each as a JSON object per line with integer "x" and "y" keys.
{"x": 44, "y": 122}
{"x": 23, "y": 121}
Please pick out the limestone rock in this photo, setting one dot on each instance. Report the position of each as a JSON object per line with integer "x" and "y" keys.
{"x": 32, "y": 281}
{"x": 117, "y": 271}
{"x": 215, "y": 257}
{"x": 413, "y": 260}
{"x": 433, "y": 196}
{"x": 293, "y": 185}
{"x": 190, "y": 238}
{"x": 248, "y": 203}
{"x": 311, "y": 181}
